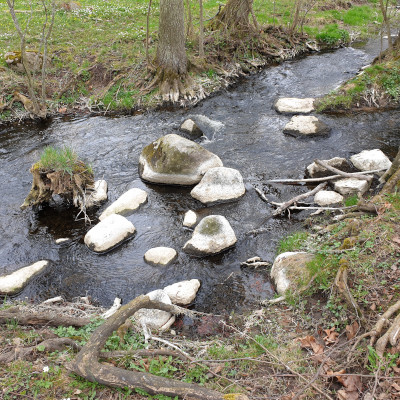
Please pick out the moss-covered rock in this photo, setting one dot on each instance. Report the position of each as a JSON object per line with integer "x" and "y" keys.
{"x": 175, "y": 160}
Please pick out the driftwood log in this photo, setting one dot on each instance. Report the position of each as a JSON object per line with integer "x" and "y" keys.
{"x": 343, "y": 174}
{"x": 87, "y": 365}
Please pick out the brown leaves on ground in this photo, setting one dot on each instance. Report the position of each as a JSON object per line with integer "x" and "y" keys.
{"x": 310, "y": 342}
{"x": 352, "y": 330}
{"x": 331, "y": 336}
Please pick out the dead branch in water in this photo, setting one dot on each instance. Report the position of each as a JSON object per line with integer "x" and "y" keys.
{"x": 343, "y": 174}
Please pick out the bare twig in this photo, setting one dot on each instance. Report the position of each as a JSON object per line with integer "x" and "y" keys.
{"x": 341, "y": 173}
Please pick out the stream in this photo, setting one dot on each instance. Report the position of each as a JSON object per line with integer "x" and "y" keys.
{"x": 246, "y": 134}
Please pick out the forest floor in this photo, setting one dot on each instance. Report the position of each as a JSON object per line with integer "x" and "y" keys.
{"x": 312, "y": 345}
{"x": 96, "y": 66}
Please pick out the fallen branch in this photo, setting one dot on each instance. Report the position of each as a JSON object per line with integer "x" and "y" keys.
{"x": 29, "y": 318}
{"x": 87, "y": 363}
{"x": 323, "y": 179}
{"x": 142, "y": 353}
{"x": 360, "y": 176}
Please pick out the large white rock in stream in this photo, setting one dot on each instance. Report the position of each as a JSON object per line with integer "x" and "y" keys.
{"x": 369, "y": 160}
{"x": 126, "y": 203}
{"x": 290, "y": 105}
{"x": 290, "y": 269}
{"x": 175, "y": 160}
{"x": 350, "y": 186}
{"x": 13, "y": 283}
{"x": 306, "y": 125}
{"x": 219, "y": 185}
{"x": 109, "y": 233}
{"x": 317, "y": 171}
{"x": 156, "y": 319}
{"x": 212, "y": 235}
{"x": 183, "y": 293}
{"x": 160, "y": 256}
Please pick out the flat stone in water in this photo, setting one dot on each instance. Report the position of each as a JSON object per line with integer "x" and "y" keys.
{"x": 306, "y": 125}
{"x": 126, "y": 204}
{"x": 290, "y": 105}
{"x": 212, "y": 235}
{"x": 13, "y": 283}
{"x": 160, "y": 256}
{"x": 183, "y": 293}
{"x": 369, "y": 160}
{"x": 351, "y": 186}
{"x": 109, "y": 233}
{"x": 219, "y": 185}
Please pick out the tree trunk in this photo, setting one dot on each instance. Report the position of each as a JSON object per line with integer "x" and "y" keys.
{"x": 171, "y": 53}
{"x": 234, "y": 17}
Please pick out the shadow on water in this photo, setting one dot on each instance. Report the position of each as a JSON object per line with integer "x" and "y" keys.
{"x": 241, "y": 128}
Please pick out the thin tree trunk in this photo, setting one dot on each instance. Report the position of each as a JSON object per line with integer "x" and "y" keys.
{"x": 201, "y": 35}
{"x": 189, "y": 25}
{"x": 386, "y": 21}
{"x": 148, "y": 34}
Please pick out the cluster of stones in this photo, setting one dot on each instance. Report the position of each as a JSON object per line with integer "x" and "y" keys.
{"x": 301, "y": 124}
{"x": 367, "y": 160}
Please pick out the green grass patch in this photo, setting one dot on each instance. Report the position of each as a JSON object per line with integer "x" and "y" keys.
{"x": 351, "y": 201}
{"x": 292, "y": 242}
{"x": 332, "y": 35}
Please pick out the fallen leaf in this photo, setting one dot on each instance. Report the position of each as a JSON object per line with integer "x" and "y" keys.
{"x": 310, "y": 342}
{"x": 342, "y": 395}
{"x": 396, "y": 386}
{"x": 351, "y": 330}
{"x": 331, "y": 336}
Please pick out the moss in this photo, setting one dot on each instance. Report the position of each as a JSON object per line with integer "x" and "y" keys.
{"x": 210, "y": 227}
{"x": 349, "y": 243}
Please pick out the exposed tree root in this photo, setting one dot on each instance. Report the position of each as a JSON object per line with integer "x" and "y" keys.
{"x": 44, "y": 318}
{"x": 87, "y": 365}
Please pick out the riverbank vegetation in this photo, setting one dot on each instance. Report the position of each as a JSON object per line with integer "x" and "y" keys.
{"x": 94, "y": 64}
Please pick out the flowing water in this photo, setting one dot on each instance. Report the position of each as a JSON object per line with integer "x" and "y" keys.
{"x": 242, "y": 129}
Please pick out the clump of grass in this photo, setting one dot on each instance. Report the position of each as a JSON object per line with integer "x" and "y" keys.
{"x": 292, "y": 242}
{"x": 351, "y": 201}
{"x": 332, "y": 35}
{"x": 62, "y": 159}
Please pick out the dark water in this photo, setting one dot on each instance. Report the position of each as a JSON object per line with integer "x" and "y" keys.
{"x": 248, "y": 137}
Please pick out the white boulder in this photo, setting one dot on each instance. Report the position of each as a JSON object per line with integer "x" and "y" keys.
{"x": 327, "y": 198}
{"x": 190, "y": 219}
{"x": 126, "y": 204}
{"x": 212, "y": 235}
{"x": 99, "y": 194}
{"x": 183, "y": 293}
{"x": 175, "y": 160}
{"x": 13, "y": 283}
{"x": 109, "y": 233}
{"x": 289, "y": 105}
{"x": 219, "y": 185}
{"x": 317, "y": 171}
{"x": 350, "y": 186}
{"x": 369, "y": 160}
{"x": 306, "y": 125}
{"x": 190, "y": 127}
{"x": 156, "y": 319}
{"x": 289, "y": 270}
{"x": 160, "y": 256}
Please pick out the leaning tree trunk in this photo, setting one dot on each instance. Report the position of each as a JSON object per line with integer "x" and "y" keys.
{"x": 171, "y": 57}
{"x": 234, "y": 17}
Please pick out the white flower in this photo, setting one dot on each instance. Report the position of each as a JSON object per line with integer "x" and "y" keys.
{"x": 46, "y": 369}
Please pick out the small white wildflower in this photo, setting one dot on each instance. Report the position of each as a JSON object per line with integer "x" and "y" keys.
{"x": 46, "y": 369}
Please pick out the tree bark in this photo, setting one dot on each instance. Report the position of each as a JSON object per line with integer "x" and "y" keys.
{"x": 234, "y": 17}
{"x": 171, "y": 53}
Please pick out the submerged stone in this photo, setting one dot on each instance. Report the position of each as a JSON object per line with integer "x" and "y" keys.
{"x": 175, "y": 160}
{"x": 212, "y": 235}
{"x": 219, "y": 185}
{"x": 109, "y": 233}
{"x": 290, "y": 105}
{"x": 126, "y": 203}
{"x": 13, "y": 283}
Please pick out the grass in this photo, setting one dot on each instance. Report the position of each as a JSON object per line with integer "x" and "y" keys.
{"x": 95, "y": 59}
{"x": 293, "y": 242}
{"x": 63, "y": 160}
